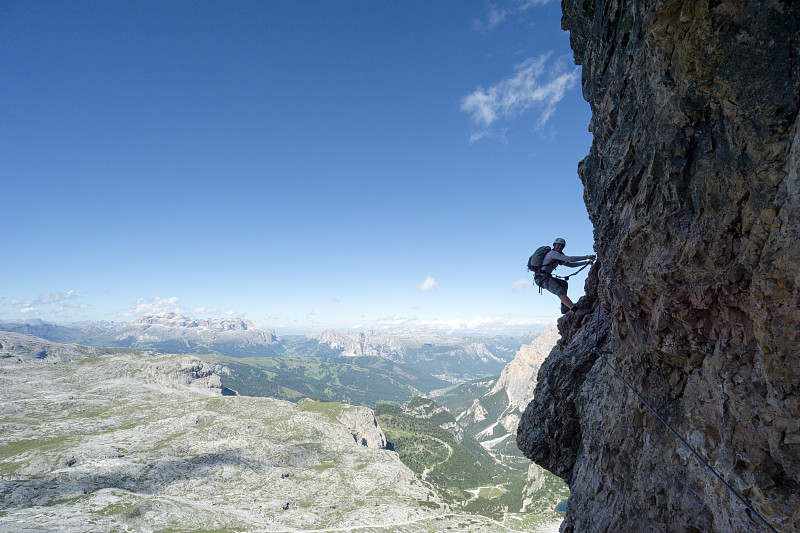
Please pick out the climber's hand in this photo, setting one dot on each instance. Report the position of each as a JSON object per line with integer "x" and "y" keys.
{"x": 591, "y": 257}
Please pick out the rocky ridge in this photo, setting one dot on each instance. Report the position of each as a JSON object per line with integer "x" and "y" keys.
{"x": 430, "y": 411}
{"x": 25, "y": 347}
{"x": 693, "y": 186}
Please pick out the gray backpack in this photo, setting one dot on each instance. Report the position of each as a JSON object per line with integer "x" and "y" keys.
{"x": 535, "y": 261}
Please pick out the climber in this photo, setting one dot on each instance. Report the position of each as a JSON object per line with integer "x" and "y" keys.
{"x": 543, "y": 276}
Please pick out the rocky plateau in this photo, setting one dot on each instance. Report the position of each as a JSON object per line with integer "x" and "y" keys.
{"x": 95, "y": 440}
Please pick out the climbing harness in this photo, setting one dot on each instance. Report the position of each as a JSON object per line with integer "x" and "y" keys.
{"x": 697, "y": 455}
{"x": 566, "y": 278}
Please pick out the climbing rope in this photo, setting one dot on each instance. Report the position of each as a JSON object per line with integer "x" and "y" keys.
{"x": 697, "y": 455}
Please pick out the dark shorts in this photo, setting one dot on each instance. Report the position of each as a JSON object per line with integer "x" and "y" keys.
{"x": 551, "y": 284}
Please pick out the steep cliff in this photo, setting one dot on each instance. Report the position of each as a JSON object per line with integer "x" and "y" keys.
{"x": 363, "y": 426}
{"x": 693, "y": 187}
{"x": 518, "y": 378}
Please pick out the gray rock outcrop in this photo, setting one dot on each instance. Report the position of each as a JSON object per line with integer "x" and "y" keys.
{"x": 363, "y": 426}
{"x": 693, "y": 187}
{"x": 192, "y": 373}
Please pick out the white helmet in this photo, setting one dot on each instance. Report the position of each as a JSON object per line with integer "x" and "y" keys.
{"x": 559, "y": 240}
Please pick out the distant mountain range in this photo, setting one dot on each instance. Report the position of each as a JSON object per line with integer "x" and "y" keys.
{"x": 170, "y": 333}
{"x": 447, "y": 357}
{"x": 444, "y": 356}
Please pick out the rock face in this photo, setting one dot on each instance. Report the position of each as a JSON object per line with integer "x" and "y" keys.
{"x": 192, "y": 373}
{"x": 363, "y": 426}
{"x": 693, "y": 187}
{"x": 519, "y": 376}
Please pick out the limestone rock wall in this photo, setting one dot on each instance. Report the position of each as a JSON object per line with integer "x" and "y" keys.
{"x": 363, "y": 426}
{"x": 518, "y": 378}
{"x": 693, "y": 186}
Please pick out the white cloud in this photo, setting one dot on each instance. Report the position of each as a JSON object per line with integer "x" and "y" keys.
{"x": 74, "y": 305}
{"x": 154, "y": 306}
{"x": 157, "y": 305}
{"x": 524, "y": 5}
{"x": 494, "y": 17}
{"x": 521, "y": 284}
{"x": 203, "y": 310}
{"x": 498, "y": 14}
{"x": 52, "y": 302}
{"x": 537, "y": 83}
{"x": 428, "y": 285}
{"x": 479, "y": 325}
{"x": 55, "y": 297}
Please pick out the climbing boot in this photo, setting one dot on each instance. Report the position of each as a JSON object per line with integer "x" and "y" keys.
{"x": 564, "y": 309}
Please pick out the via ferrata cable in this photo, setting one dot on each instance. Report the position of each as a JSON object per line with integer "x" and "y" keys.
{"x": 697, "y": 455}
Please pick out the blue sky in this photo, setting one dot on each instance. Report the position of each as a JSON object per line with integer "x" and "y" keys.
{"x": 303, "y": 164}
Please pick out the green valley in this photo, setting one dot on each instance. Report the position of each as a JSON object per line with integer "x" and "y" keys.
{"x": 364, "y": 380}
{"x": 466, "y": 475}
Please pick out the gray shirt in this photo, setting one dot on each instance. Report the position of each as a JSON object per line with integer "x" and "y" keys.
{"x": 553, "y": 259}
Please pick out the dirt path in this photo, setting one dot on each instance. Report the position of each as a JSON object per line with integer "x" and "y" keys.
{"x": 449, "y": 455}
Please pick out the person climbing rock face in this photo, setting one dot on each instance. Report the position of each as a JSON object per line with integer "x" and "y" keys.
{"x": 544, "y": 276}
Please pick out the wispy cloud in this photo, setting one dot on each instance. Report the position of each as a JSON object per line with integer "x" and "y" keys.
{"x": 521, "y": 284}
{"x": 203, "y": 310}
{"x": 538, "y": 84}
{"x": 154, "y": 306}
{"x": 479, "y": 325}
{"x": 158, "y": 305}
{"x": 428, "y": 285}
{"x": 499, "y": 12}
{"x": 492, "y": 19}
{"x": 52, "y": 302}
{"x": 55, "y": 297}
